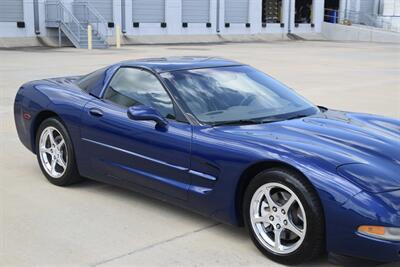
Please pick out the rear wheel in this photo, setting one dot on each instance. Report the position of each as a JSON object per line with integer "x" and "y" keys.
{"x": 284, "y": 217}
{"x": 55, "y": 153}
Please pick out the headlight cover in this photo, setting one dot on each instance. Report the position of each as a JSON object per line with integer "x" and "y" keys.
{"x": 380, "y": 232}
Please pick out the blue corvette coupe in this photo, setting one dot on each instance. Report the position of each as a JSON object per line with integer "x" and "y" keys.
{"x": 228, "y": 141}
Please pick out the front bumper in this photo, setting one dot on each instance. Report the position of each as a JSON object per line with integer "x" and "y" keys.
{"x": 364, "y": 209}
{"x": 375, "y": 249}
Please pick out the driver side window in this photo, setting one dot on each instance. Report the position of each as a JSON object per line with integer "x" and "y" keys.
{"x": 130, "y": 87}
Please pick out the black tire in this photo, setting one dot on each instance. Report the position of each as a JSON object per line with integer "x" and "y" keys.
{"x": 71, "y": 174}
{"x": 313, "y": 242}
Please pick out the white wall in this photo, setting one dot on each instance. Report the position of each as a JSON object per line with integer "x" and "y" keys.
{"x": 173, "y": 14}
{"x": 339, "y": 32}
{"x": 390, "y": 7}
{"x": 173, "y": 17}
{"x": 10, "y": 29}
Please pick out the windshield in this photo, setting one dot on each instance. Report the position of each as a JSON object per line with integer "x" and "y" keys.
{"x": 238, "y": 93}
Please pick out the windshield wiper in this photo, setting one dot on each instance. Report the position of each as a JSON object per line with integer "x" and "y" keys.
{"x": 236, "y": 122}
{"x": 297, "y": 117}
{"x": 271, "y": 119}
{"x": 259, "y": 121}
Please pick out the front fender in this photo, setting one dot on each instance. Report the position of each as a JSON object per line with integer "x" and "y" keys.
{"x": 228, "y": 159}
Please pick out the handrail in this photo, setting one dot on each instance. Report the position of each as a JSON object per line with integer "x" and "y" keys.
{"x": 90, "y": 15}
{"x": 96, "y": 13}
{"x": 75, "y": 20}
{"x": 71, "y": 22}
{"x": 100, "y": 21}
{"x": 57, "y": 12}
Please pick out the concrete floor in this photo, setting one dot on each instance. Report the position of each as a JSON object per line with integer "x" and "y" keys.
{"x": 93, "y": 224}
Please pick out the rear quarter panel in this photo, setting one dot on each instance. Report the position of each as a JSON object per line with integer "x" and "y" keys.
{"x": 31, "y": 101}
{"x": 39, "y": 97}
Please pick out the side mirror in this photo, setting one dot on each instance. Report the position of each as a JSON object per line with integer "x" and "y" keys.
{"x": 146, "y": 113}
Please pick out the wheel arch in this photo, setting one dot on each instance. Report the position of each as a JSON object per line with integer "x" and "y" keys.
{"x": 250, "y": 173}
{"x": 39, "y": 118}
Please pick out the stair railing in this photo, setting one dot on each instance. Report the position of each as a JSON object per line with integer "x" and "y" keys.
{"x": 98, "y": 22}
{"x": 58, "y": 14}
{"x": 89, "y": 15}
{"x": 70, "y": 22}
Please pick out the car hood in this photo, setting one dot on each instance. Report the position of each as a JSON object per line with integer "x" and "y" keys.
{"x": 338, "y": 137}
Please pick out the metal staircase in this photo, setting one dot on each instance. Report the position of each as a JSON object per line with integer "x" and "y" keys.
{"x": 75, "y": 27}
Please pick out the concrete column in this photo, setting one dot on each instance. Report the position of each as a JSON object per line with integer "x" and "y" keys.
{"x": 117, "y": 16}
{"x": 291, "y": 9}
{"x": 285, "y": 15}
{"x": 29, "y": 20}
{"x": 173, "y": 16}
{"x": 318, "y": 14}
{"x": 255, "y": 7}
{"x": 213, "y": 15}
{"x": 128, "y": 17}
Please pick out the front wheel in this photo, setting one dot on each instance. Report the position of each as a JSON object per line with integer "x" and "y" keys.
{"x": 55, "y": 153}
{"x": 284, "y": 217}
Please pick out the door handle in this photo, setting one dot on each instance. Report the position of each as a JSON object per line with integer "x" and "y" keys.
{"x": 96, "y": 112}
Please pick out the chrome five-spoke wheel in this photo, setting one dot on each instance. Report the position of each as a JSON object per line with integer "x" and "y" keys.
{"x": 53, "y": 152}
{"x": 278, "y": 218}
{"x": 283, "y": 214}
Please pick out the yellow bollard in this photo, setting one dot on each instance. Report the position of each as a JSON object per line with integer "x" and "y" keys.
{"x": 89, "y": 37}
{"x": 117, "y": 36}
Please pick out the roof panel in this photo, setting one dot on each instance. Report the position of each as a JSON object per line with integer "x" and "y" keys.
{"x": 179, "y": 63}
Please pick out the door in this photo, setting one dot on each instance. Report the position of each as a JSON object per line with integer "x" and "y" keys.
{"x": 150, "y": 11}
{"x": 11, "y": 10}
{"x": 137, "y": 152}
{"x": 236, "y": 11}
{"x": 196, "y": 11}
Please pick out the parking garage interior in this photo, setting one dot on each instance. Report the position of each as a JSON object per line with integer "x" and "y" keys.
{"x": 331, "y": 10}
{"x": 271, "y": 11}
{"x": 303, "y": 11}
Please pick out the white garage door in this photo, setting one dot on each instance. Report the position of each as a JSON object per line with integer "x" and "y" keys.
{"x": 11, "y": 10}
{"x": 236, "y": 11}
{"x": 148, "y": 10}
{"x": 196, "y": 11}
